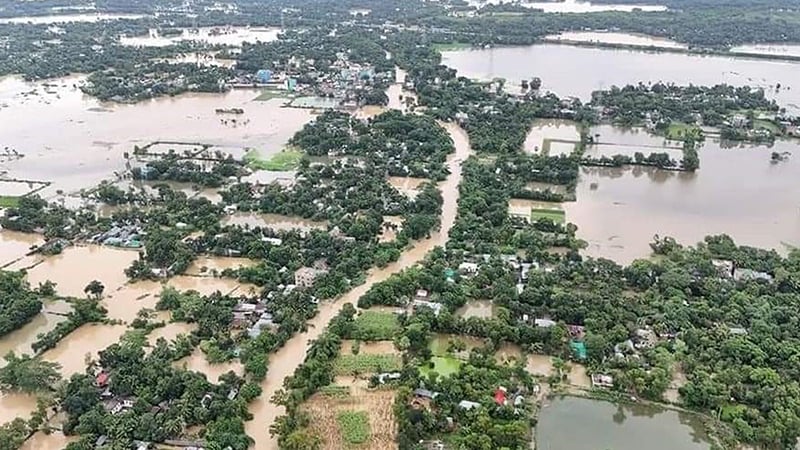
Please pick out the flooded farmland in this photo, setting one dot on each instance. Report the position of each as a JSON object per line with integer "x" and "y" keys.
{"x": 233, "y": 36}
{"x": 582, "y": 70}
{"x": 65, "y": 18}
{"x": 72, "y": 351}
{"x": 14, "y": 245}
{"x": 274, "y": 221}
{"x": 621, "y": 427}
{"x": 75, "y": 141}
{"x": 552, "y": 137}
{"x": 618, "y": 210}
{"x": 636, "y": 40}
{"x": 482, "y": 309}
{"x": 19, "y": 341}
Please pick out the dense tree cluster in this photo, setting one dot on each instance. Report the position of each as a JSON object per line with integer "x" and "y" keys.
{"x": 18, "y": 303}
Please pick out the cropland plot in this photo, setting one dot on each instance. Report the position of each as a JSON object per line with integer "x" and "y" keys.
{"x": 365, "y": 415}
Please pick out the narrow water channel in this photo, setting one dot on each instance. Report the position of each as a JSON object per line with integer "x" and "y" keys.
{"x": 287, "y": 359}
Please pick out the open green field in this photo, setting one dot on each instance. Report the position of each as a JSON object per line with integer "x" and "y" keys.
{"x": 269, "y": 94}
{"x": 335, "y": 391}
{"x": 366, "y": 364}
{"x": 354, "y": 426}
{"x": 451, "y": 47}
{"x": 375, "y": 326}
{"x": 556, "y": 215}
{"x": 287, "y": 159}
{"x": 767, "y": 125}
{"x": 443, "y": 365}
{"x": 678, "y": 131}
{"x": 7, "y": 201}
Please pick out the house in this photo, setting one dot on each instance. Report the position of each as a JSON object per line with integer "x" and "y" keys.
{"x": 723, "y": 266}
{"x": 644, "y": 338}
{"x": 468, "y": 405}
{"x": 500, "y": 396}
{"x": 101, "y": 441}
{"x": 602, "y": 381}
{"x": 382, "y": 377}
{"x": 468, "y": 268}
{"x": 233, "y": 393}
{"x": 425, "y": 393}
{"x": 544, "y": 323}
{"x": 748, "y": 275}
{"x": 102, "y": 379}
{"x": 421, "y": 294}
{"x": 305, "y": 276}
{"x": 737, "y": 331}
{"x": 436, "y": 307}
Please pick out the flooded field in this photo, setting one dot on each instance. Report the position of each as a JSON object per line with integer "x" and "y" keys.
{"x": 76, "y": 141}
{"x": 769, "y": 49}
{"x": 369, "y": 348}
{"x": 541, "y": 187}
{"x": 541, "y": 365}
{"x": 619, "y": 210}
{"x": 552, "y": 137}
{"x": 577, "y": 71}
{"x": 13, "y": 405}
{"x": 19, "y": 341}
{"x": 407, "y": 185}
{"x": 391, "y": 226}
{"x": 611, "y": 140}
{"x": 207, "y": 285}
{"x": 232, "y": 36}
{"x": 482, "y": 309}
{"x": 283, "y": 362}
{"x": 14, "y": 245}
{"x": 65, "y": 18}
{"x": 76, "y": 266}
{"x": 208, "y": 265}
{"x": 52, "y": 441}
{"x": 621, "y": 427}
{"x": 85, "y": 342}
{"x": 16, "y": 188}
{"x": 608, "y": 37}
{"x": 575, "y": 6}
{"x": 126, "y": 302}
{"x": 274, "y": 221}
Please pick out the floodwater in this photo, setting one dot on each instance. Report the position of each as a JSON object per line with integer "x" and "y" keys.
{"x": 13, "y": 405}
{"x": 20, "y": 340}
{"x": 604, "y": 37}
{"x": 197, "y": 362}
{"x": 482, "y": 309}
{"x": 14, "y": 245}
{"x": 64, "y": 18}
{"x": 574, "y": 6}
{"x": 208, "y": 285}
{"x": 541, "y": 187}
{"x": 76, "y": 141}
{"x": 72, "y": 351}
{"x": 577, "y": 71}
{"x": 232, "y": 36}
{"x": 51, "y": 441}
{"x": 126, "y": 302}
{"x": 541, "y": 365}
{"x": 283, "y": 362}
{"x": 552, "y": 137}
{"x": 170, "y": 331}
{"x": 769, "y": 49}
{"x": 611, "y": 140}
{"x": 736, "y": 191}
{"x": 621, "y": 427}
{"x": 207, "y": 265}
{"x": 391, "y": 226}
{"x": 76, "y": 266}
{"x": 407, "y": 185}
{"x": 16, "y": 188}
{"x": 274, "y": 221}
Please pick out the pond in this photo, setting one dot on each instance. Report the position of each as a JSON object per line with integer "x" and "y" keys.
{"x": 577, "y": 71}
{"x": 607, "y": 37}
{"x": 76, "y": 141}
{"x": 736, "y": 191}
{"x": 572, "y": 423}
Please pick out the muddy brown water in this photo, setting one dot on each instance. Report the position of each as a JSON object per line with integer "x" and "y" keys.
{"x": 274, "y": 221}
{"x": 72, "y": 351}
{"x": 197, "y": 362}
{"x": 76, "y": 141}
{"x": 283, "y": 362}
{"x": 736, "y": 191}
{"x": 14, "y": 245}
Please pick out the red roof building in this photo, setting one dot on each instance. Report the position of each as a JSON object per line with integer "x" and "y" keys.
{"x": 500, "y": 396}
{"x": 101, "y": 380}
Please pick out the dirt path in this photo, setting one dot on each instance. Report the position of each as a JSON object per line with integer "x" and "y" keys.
{"x": 287, "y": 359}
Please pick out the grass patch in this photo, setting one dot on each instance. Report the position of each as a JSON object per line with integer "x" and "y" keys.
{"x": 452, "y": 47}
{"x": 678, "y": 131}
{"x": 375, "y": 326}
{"x": 364, "y": 364}
{"x": 556, "y": 215}
{"x": 269, "y": 94}
{"x": 7, "y": 201}
{"x": 287, "y": 159}
{"x": 354, "y": 426}
{"x": 335, "y": 391}
{"x": 766, "y": 125}
{"x": 444, "y": 366}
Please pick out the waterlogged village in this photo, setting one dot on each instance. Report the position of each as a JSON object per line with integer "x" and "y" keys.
{"x": 399, "y": 224}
